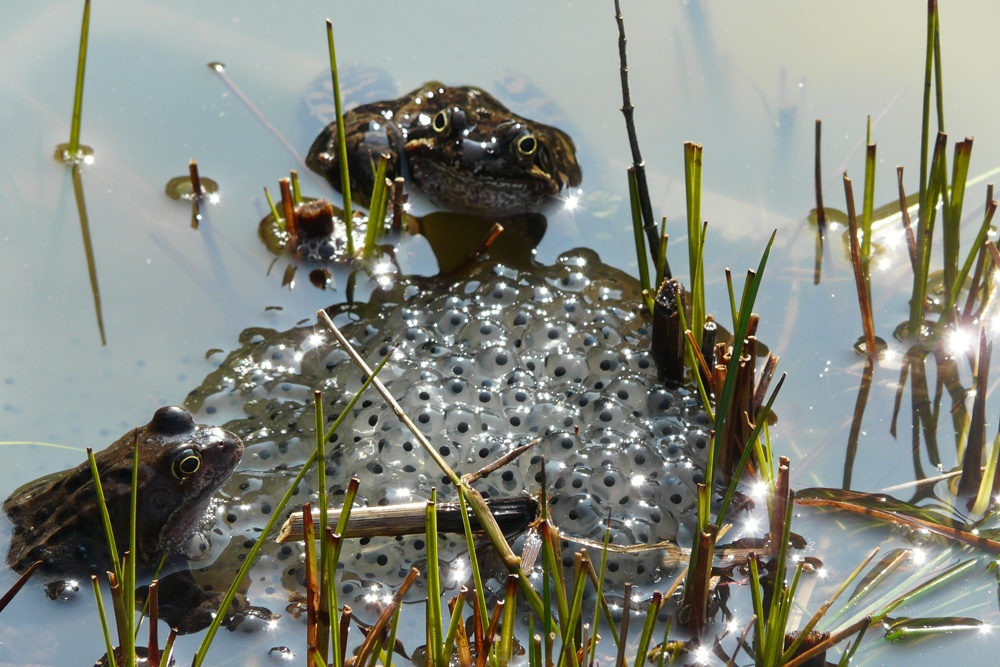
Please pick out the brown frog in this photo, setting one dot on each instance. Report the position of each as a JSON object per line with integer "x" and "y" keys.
{"x": 459, "y": 145}
{"x": 57, "y": 518}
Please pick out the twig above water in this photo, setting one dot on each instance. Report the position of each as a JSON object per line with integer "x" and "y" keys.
{"x": 633, "y": 141}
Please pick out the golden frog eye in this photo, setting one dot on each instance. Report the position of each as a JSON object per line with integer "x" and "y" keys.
{"x": 526, "y": 144}
{"x": 442, "y": 121}
{"x": 186, "y": 463}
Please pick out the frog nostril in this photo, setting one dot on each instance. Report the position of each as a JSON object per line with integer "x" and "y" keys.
{"x": 172, "y": 420}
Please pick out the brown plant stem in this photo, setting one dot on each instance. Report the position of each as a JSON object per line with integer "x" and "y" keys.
{"x": 944, "y": 531}
{"x": 911, "y": 242}
{"x": 867, "y": 321}
{"x": 291, "y": 223}
{"x": 668, "y": 338}
{"x": 820, "y": 211}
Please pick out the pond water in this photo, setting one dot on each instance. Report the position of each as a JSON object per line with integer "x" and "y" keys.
{"x": 746, "y": 80}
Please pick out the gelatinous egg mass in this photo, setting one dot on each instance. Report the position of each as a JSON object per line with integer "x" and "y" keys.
{"x": 494, "y": 360}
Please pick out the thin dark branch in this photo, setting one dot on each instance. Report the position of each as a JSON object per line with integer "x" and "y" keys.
{"x": 640, "y": 165}
{"x": 820, "y": 211}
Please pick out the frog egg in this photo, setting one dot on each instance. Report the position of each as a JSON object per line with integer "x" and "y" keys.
{"x": 497, "y": 359}
{"x": 281, "y": 655}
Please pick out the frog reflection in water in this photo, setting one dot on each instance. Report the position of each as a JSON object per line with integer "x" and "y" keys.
{"x": 459, "y": 145}
{"x": 57, "y": 518}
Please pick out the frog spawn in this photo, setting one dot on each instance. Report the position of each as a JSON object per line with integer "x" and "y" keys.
{"x": 558, "y": 353}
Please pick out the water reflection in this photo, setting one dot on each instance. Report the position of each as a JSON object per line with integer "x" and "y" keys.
{"x": 88, "y": 247}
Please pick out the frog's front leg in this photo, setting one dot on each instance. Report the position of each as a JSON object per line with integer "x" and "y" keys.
{"x": 370, "y": 133}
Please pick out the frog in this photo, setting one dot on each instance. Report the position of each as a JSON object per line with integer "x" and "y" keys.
{"x": 459, "y": 145}
{"x": 57, "y": 518}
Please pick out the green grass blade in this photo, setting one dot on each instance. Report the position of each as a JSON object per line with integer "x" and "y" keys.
{"x": 970, "y": 260}
{"x": 109, "y": 532}
{"x": 456, "y": 618}
{"x": 693, "y": 361}
{"x": 473, "y": 560}
{"x": 637, "y": 229}
{"x": 435, "y": 640}
{"x": 296, "y": 191}
{"x": 937, "y": 582}
{"x": 647, "y": 630}
{"x": 278, "y": 220}
{"x": 129, "y": 587}
{"x": 725, "y": 398}
{"x": 81, "y": 65}
{"x": 345, "y": 177}
{"x": 576, "y": 606}
{"x": 108, "y": 643}
{"x": 925, "y": 125}
{"x": 325, "y": 582}
{"x": 866, "y": 212}
{"x": 745, "y": 457}
{"x": 376, "y": 212}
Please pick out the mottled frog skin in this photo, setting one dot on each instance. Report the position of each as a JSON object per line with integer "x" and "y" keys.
{"x": 459, "y": 145}
{"x": 181, "y": 464}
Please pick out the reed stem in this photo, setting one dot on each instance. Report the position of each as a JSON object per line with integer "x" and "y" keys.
{"x": 73, "y": 149}
{"x": 345, "y": 178}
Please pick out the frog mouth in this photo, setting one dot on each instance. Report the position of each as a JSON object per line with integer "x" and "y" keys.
{"x": 479, "y": 191}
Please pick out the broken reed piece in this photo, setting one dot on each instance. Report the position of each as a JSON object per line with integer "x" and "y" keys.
{"x": 668, "y": 336}
{"x": 288, "y": 203}
{"x": 860, "y": 278}
{"x": 709, "y": 332}
{"x": 512, "y": 514}
{"x": 702, "y": 580}
{"x": 741, "y": 410}
{"x": 196, "y": 188}
{"x": 314, "y": 219}
{"x": 398, "y": 200}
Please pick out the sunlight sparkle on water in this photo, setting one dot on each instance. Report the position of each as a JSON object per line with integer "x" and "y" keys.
{"x": 919, "y": 556}
{"x": 759, "y": 490}
{"x": 213, "y": 198}
{"x": 702, "y": 655}
{"x": 960, "y": 341}
{"x": 572, "y": 202}
{"x": 995, "y": 324}
{"x": 733, "y": 625}
{"x": 638, "y": 480}
{"x": 884, "y": 264}
{"x": 460, "y": 571}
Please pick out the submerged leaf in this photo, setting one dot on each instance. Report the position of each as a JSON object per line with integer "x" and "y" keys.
{"x": 890, "y": 562}
{"x": 904, "y": 629}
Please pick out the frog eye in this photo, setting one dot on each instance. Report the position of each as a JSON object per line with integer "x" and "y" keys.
{"x": 186, "y": 463}
{"x": 526, "y": 144}
{"x": 442, "y": 121}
